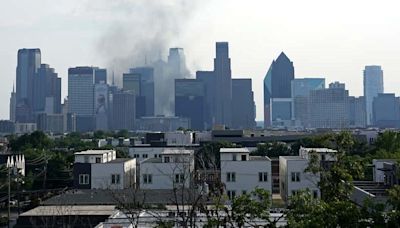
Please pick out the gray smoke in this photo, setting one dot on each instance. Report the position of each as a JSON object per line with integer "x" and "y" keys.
{"x": 140, "y": 32}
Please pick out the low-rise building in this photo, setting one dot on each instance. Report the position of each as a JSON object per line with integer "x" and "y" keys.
{"x": 178, "y": 138}
{"x": 171, "y": 169}
{"x": 242, "y": 173}
{"x": 293, "y": 177}
{"x": 100, "y": 169}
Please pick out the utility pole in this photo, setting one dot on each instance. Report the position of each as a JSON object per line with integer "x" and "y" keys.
{"x": 9, "y": 196}
{"x": 45, "y": 174}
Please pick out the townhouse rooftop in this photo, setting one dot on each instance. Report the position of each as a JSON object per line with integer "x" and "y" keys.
{"x": 176, "y": 152}
{"x": 234, "y": 150}
{"x": 93, "y": 152}
{"x": 319, "y": 150}
{"x": 259, "y": 158}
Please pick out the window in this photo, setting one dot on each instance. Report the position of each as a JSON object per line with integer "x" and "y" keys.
{"x": 315, "y": 194}
{"x": 155, "y": 155}
{"x": 145, "y": 155}
{"x": 179, "y": 178}
{"x": 263, "y": 177}
{"x": 136, "y": 156}
{"x": 115, "y": 178}
{"x": 295, "y": 176}
{"x": 98, "y": 160}
{"x": 230, "y": 177}
{"x": 84, "y": 179}
{"x": 294, "y": 192}
{"x": 233, "y": 157}
{"x": 323, "y": 157}
{"x": 244, "y": 192}
{"x": 86, "y": 158}
{"x": 166, "y": 159}
{"x": 231, "y": 194}
{"x": 147, "y": 178}
{"x": 244, "y": 157}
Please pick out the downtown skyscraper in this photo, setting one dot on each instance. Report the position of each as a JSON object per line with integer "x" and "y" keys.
{"x": 373, "y": 85}
{"x": 223, "y": 83}
{"x": 29, "y": 61}
{"x": 277, "y": 90}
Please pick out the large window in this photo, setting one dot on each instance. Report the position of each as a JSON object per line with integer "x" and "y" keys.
{"x": 231, "y": 194}
{"x": 230, "y": 177}
{"x": 263, "y": 177}
{"x": 295, "y": 176}
{"x": 83, "y": 179}
{"x": 179, "y": 178}
{"x": 147, "y": 178}
{"x": 115, "y": 178}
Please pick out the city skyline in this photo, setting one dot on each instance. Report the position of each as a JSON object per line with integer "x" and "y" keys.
{"x": 251, "y": 53}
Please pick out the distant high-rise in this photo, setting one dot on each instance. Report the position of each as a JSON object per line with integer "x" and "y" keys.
{"x": 132, "y": 82}
{"x": 190, "y": 101}
{"x": 100, "y": 75}
{"x": 208, "y": 79}
{"x": 13, "y": 105}
{"x": 277, "y": 84}
{"x": 81, "y": 97}
{"x": 177, "y": 63}
{"x": 301, "y": 88}
{"x": 373, "y": 85}
{"x": 223, "y": 83}
{"x": 386, "y": 111}
{"x": 329, "y": 108}
{"x": 124, "y": 110}
{"x": 29, "y": 61}
{"x": 47, "y": 91}
{"x": 357, "y": 112}
{"x": 147, "y": 87}
{"x": 101, "y": 105}
{"x": 243, "y": 111}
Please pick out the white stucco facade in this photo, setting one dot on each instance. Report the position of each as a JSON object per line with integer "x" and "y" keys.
{"x": 124, "y": 172}
{"x": 293, "y": 177}
{"x": 242, "y": 173}
{"x": 171, "y": 169}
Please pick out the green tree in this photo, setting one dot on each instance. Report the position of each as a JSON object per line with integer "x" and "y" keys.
{"x": 274, "y": 149}
{"x": 248, "y": 208}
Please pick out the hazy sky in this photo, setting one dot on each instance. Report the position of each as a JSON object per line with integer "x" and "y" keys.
{"x": 332, "y": 39}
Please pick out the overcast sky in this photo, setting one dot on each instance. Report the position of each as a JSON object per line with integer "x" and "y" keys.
{"x": 332, "y": 39}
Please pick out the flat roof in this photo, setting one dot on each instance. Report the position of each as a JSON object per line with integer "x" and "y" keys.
{"x": 62, "y": 210}
{"x": 119, "y": 160}
{"x": 176, "y": 151}
{"x": 319, "y": 150}
{"x": 93, "y": 152}
{"x": 234, "y": 150}
{"x": 259, "y": 158}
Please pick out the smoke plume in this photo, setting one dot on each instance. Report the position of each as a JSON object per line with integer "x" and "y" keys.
{"x": 140, "y": 32}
